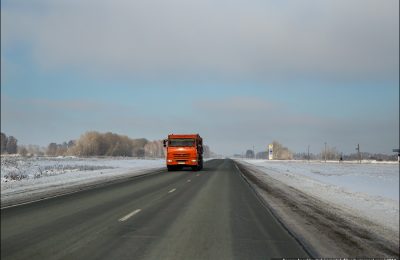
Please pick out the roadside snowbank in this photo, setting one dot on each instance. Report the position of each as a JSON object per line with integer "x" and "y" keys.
{"x": 22, "y": 178}
{"x": 367, "y": 190}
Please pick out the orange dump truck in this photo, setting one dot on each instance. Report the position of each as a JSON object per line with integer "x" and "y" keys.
{"x": 184, "y": 150}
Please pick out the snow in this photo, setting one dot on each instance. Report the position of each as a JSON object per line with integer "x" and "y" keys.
{"x": 370, "y": 190}
{"x": 29, "y": 176}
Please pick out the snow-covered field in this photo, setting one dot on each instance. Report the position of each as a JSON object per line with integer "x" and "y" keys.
{"x": 28, "y": 176}
{"x": 370, "y": 190}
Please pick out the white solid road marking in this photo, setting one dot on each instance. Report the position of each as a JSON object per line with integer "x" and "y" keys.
{"x": 129, "y": 215}
{"x": 188, "y": 180}
{"x": 171, "y": 190}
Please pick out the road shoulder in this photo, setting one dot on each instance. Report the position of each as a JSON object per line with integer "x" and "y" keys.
{"x": 325, "y": 230}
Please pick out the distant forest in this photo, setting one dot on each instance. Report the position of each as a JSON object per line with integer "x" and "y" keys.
{"x": 92, "y": 144}
{"x": 110, "y": 144}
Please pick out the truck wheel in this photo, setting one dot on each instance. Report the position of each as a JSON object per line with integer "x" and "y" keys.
{"x": 170, "y": 168}
{"x": 195, "y": 168}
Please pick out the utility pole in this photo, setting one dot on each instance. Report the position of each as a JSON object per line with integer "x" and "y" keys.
{"x": 254, "y": 152}
{"x": 325, "y": 152}
{"x": 308, "y": 153}
{"x": 358, "y": 152}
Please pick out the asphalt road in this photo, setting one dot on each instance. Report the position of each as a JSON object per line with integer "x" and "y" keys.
{"x": 210, "y": 214}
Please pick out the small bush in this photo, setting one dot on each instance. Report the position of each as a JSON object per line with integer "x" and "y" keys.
{"x": 15, "y": 175}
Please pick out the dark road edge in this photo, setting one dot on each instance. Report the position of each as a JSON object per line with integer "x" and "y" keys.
{"x": 244, "y": 173}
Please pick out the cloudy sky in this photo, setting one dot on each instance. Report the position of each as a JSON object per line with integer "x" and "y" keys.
{"x": 240, "y": 73}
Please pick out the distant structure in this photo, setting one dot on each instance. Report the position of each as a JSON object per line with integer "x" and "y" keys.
{"x": 270, "y": 152}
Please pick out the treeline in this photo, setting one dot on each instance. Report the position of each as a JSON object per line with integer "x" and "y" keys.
{"x": 331, "y": 154}
{"x": 106, "y": 144}
{"x": 109, "y": 144}
{"x": 92, "y": 144}
{"x": 9, "y": 144}
{"x": 345, "y": 157}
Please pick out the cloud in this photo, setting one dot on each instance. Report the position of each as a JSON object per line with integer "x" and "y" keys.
{"x": 234, "y": 105}
{"x": 232, "y": 40}
{"x": 41, "y": 121}
{"x": 229, "y": 125}
{"x": 65, "y": 105}
{"x": 239, "y": 43}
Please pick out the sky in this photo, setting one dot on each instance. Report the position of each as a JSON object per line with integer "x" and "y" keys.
{"x": 239, "y": 73}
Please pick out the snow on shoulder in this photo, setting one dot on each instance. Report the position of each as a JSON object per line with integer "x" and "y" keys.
{"x": 370, "y": 190}
{"x": 25, "y": 178}
{"x": 332, "y": 208}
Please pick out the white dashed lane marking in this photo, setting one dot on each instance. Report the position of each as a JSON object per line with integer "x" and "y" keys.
{"x": 172, "y": 190}
{"x": 129, "y": 215}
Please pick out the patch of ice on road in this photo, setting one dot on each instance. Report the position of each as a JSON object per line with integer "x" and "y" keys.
{"x": 369, "y": 190}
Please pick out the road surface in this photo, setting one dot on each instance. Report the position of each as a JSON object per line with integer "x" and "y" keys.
{"x": 210, "y": 214}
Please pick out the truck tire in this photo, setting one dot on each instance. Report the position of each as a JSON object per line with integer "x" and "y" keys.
{"x": 170, "y": 168}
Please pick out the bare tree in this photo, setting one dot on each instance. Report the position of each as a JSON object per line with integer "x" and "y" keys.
{"x": 22, "y": 151}
{"x": 250, "y": 154}
{"x": 35, "y": 150}
{"x": 51, "y": 149}
{"x": 331, "y": 153}
{"x": 12, "y": 146}
{"x": 3, "y": 143}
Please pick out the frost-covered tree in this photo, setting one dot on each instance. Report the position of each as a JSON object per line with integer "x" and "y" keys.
{"x": 108, "y": 144}
{"x": 154, "y": 149}
{"x": 280, "y": 152}
{"x": 36, "y": 150}
{"x": 331, "y": 153}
